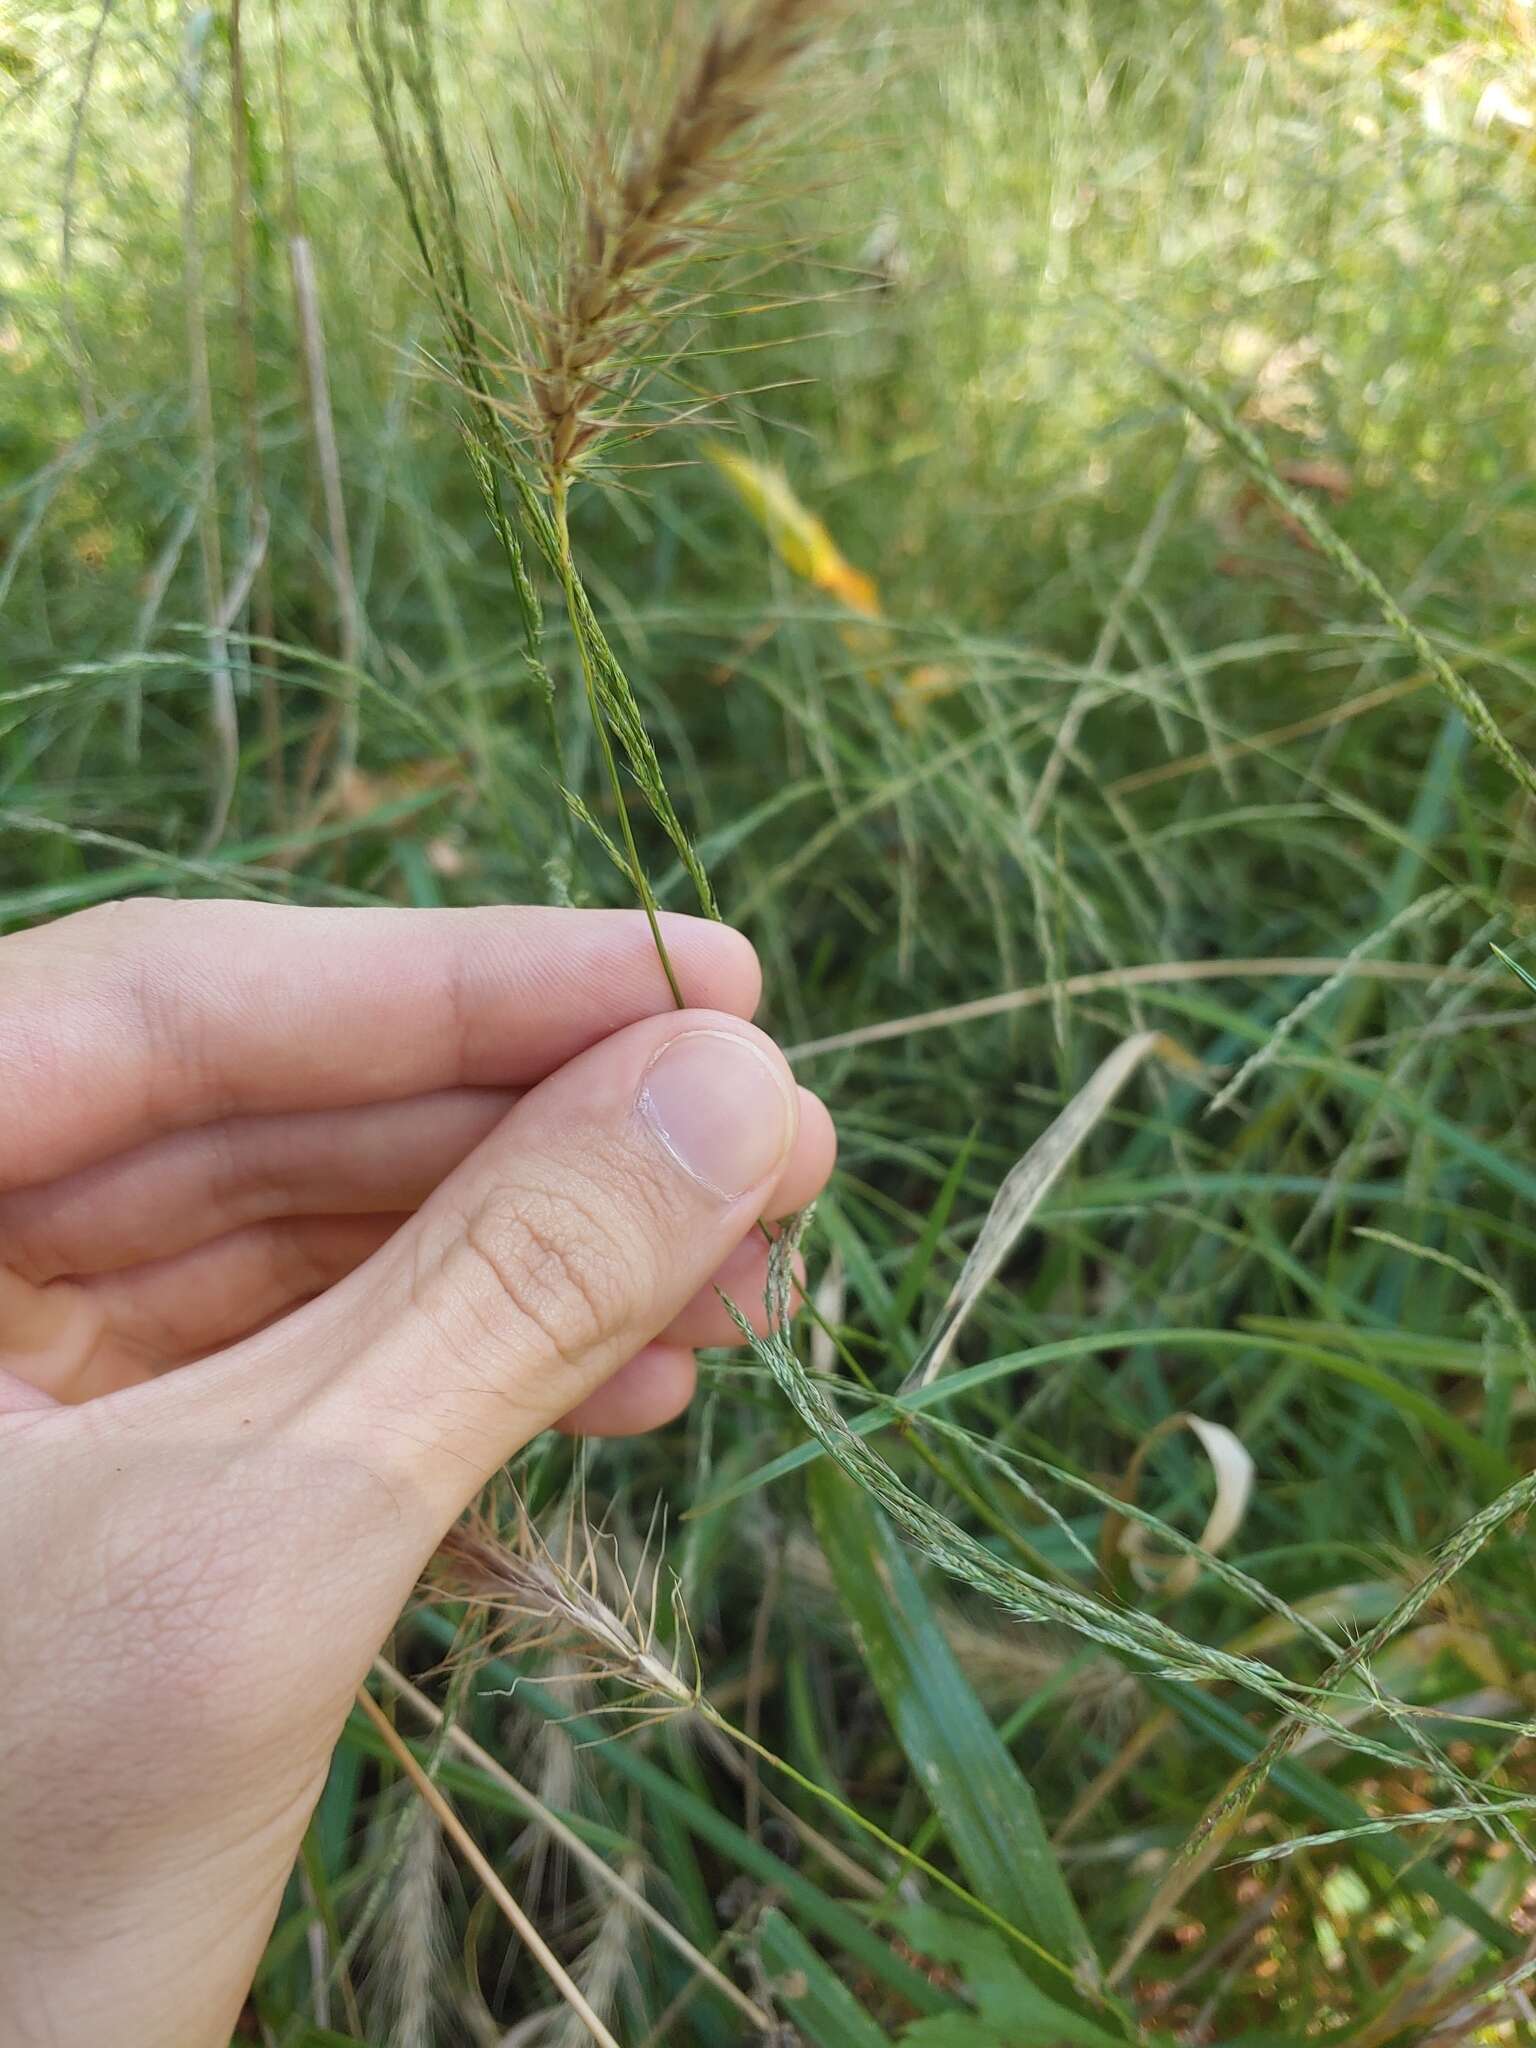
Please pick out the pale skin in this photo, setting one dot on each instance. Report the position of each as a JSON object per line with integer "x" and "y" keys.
{"x": 309, "y": 1220}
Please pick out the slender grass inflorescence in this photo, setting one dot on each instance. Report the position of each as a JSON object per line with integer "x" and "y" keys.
{"x": 584, "y": 350}
{"x": 593, "y": 343}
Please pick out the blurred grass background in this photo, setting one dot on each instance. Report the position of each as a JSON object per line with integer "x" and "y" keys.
{"x": 1324, "y": 212}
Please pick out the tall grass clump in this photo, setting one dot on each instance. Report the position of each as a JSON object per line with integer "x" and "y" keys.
{"x": 1098, "y": 674}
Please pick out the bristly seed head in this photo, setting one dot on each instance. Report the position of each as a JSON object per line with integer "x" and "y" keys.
{"x": 640, "y": 220}
{"x": 538, "y": 1599}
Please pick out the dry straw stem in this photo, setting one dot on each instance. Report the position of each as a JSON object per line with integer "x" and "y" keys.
{"x": 476, "y": 1858}
{"x": 646, "y": 217}
{"x": 1262, "y": 742}
{"x": 567, "y": 1836}
{"x": 1145, "y": 974}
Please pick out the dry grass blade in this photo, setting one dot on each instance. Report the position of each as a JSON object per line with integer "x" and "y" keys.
{"x": 476, "y": 1858}
{"x": 1232, "y": 1466}
{"x": 1109, "y": 980}
{"x": 1026, "y": 1187}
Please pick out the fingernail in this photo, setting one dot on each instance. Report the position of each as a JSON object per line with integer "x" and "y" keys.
{"x": 722, "y": 1108}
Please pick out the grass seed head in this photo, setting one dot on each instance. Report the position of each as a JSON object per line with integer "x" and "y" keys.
{"x": 538, "y": 1598}
{"x": 643, "y": 216}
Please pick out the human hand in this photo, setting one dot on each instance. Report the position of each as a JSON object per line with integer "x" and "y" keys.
{"x": 309, "y": 1220}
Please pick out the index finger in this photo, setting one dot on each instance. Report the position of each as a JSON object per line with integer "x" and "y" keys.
{"x": 127, "y": 1021}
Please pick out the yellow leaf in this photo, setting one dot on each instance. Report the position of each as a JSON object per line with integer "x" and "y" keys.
{"x": 797, "y": 536}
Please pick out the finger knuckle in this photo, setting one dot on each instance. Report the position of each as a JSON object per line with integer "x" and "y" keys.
{"x": 537, "y": 1270}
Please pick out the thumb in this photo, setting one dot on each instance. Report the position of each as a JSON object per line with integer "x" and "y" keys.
{"x": 564, "y": 1244}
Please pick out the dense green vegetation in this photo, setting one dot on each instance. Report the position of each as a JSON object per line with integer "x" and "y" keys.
{"x": 1120, "y": 712}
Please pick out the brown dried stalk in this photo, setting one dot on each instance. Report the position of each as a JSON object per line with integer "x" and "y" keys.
{"x": 432, "y": 1797}
{"x": 646, "y": 216}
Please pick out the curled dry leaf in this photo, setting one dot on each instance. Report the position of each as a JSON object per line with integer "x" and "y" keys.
{"x": 1233, "y": 1468}
{"x": 1030, "y": 1181}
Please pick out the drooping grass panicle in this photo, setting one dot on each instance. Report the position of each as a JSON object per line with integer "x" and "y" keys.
{"x": 1150, "y": 1642}
{"x": 1213, "y": 412}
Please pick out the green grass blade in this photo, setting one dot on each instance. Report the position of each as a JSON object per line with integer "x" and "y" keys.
{"x": 813, "y": 1906}
{"x": 986, "y": 1805}
{"x": 810, "y": 1992}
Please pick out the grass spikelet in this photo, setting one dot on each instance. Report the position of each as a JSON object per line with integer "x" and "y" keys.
{"x": 606, "y": 1965}
{"x": 413, "y": 1941}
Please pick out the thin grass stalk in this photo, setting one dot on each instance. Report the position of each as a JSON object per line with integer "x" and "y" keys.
{"x": 246, "y": 382}
{"x": 324, "y": 1941}
{"x": 306, "y": 299}
{"x": 74, "y": 341}
{"x": 1217, "y": 416}
{"x": 600, "y": 726}
{"x": 1084, "y": 697}
{"x": 425, "y": 183}
{"x": 221, "y": 687}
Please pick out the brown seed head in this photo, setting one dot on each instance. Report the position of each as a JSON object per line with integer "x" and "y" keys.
{"x": 640, "y": 220}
